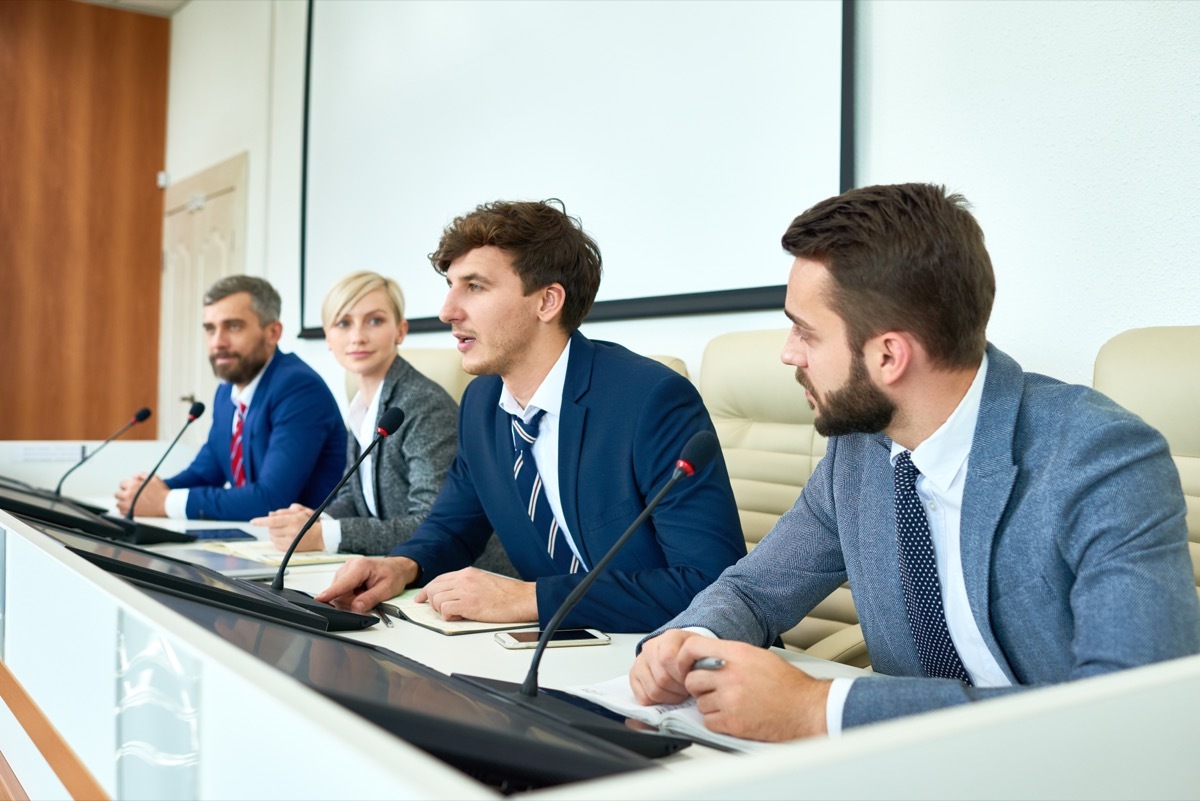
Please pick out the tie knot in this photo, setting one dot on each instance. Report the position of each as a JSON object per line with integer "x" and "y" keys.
{"x": 905, "y": 468}
{"x": 525, "y": 434}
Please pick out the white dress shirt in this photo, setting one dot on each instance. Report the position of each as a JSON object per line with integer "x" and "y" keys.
{"x": 942, "y": 460}
{"x": 360, "y": 418}
{"x": 548, "y": 398}
{"x": 176, "y": 501}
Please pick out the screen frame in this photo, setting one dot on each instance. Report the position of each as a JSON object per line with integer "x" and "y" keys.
{"x": 763, "y": 298}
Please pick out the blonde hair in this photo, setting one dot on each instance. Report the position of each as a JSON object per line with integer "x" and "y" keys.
{"x": 351, "y": 289}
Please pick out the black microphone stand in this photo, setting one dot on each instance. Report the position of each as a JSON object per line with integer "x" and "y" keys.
{"x": 277, "y": 584}
{"x": 196, "y": 410}
{"x": 530, "y": 687}
{"x": 337, "y": 619}
{"x": 141, "y": 416}
{"x": 697, "y": 453}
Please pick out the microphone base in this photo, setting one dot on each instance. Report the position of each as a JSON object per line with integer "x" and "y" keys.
{"x": 575, "y": 714}
{"x": 339, "y": 619}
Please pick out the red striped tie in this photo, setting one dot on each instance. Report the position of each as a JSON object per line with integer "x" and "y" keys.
{"x": 235, "y": 447}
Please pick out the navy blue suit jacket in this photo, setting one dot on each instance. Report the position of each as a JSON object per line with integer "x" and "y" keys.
{"x": 625, "y": 419}
{"x": 293, "y": 443}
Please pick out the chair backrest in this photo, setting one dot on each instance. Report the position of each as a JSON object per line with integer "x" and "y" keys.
{"x": 441, "y": 365}
{"x": 674, "y": 362}
{"x": 1155, "y": 373}
{"x": 770, "y": 446}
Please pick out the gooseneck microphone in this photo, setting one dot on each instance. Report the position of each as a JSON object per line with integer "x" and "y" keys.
{"x": 193, "y": 413}
{"x": 697, "y": 453}
{"x": 143, "y": 414}
{"x": 389, "y": 421}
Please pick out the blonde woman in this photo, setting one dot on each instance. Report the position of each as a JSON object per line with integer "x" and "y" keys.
{"x": 394, "y": 487}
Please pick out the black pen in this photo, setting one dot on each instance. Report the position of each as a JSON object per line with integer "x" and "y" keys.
{"x": 708, "y": 663}
{"x": 387, "y": 621}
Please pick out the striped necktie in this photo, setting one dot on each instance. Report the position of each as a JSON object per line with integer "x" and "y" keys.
{"x": 236, "y": 460}
{"x": 529, "y": 487}
{"x": 918, "y": 574}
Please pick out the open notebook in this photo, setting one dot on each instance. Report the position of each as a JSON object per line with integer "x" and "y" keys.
{"x": 264, "y": 552}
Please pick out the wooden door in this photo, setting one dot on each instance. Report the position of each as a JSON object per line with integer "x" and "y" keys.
{"x": 204, "y": 224}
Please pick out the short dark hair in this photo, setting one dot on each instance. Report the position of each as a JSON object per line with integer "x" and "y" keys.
{"x": 546, "y": 246}
{"x": 906, "y": 257}
{"x": 264, "y": 300}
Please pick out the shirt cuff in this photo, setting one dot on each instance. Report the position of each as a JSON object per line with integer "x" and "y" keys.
{"x": 176, "y": 504}
{"x": 835, "y": 704}
{"x": 331, "y": 532}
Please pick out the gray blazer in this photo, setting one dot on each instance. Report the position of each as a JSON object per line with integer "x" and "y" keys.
{"x": 408, "y": 467}
{"x": 1074, "y": 550}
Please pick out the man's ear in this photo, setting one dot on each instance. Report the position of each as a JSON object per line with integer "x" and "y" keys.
{"x": 274, "y": 332}
{"x": 890, "y": 356}
{"x": 550, "y": 302}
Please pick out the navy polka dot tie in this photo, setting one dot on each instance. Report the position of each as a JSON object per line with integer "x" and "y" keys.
{"x": 918, "y": 574}
{"x": 529, "y": 487}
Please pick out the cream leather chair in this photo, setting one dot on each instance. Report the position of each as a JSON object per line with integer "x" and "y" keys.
{"x": 441, "y": 365}
{"x": 771, "y": 448}
{"x": 674, "y": 362}
{"x": 1155, "y": 373}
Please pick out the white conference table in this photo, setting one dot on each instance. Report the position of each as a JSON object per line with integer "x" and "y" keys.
{"x": 79, "y": 640}
{"x": 478, "y": 653}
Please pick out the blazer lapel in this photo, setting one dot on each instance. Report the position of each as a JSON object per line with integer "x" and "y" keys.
{"x": 387, "y": 397}
{"x": 254, "y": 412}
{"x": 878, "y": 566}
{"x": 991, "y": 475}
{"x": 572, "y": 418}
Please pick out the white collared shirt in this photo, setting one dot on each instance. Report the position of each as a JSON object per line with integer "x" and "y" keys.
{"x": 176, "y": 501}
{"x": 548, "y": 398}
{"x": 360, "y": 418}
{"x": 942, "y": 460}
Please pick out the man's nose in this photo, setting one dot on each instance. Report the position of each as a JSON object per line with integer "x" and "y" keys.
{"x": 450, "y": 310}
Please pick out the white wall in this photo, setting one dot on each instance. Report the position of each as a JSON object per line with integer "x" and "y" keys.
{"x": 1073, "y": 127}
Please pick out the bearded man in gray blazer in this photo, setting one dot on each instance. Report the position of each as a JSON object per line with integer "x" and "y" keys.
{"x": 1042, "y": 541}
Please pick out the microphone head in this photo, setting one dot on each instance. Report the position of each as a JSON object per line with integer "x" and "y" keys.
{"x": 196, "y": 410}
{"x": 390, "y": 421}
{"x": 698, "y": 452}
{"x": 143, "y": 414}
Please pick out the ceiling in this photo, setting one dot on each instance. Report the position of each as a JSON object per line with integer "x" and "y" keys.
{"x": 157, "y": 8}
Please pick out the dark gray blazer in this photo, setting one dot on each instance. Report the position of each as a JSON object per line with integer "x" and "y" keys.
{"x": 1074, "y": 550}
{"x": 409, "y": 468}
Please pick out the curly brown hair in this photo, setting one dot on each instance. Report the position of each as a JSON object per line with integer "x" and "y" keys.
{"x": 546, "y": 246}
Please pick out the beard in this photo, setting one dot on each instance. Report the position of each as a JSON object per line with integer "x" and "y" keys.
{"x": 857, "y": 407}
{"x": 244, "y": 367}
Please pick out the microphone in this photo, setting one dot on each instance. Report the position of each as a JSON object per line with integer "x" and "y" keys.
{"x": 193, "y": 413}
{"x": 388, "y": 423}
{"x": 143, "y": 414}
{"x": 697, "y": 453}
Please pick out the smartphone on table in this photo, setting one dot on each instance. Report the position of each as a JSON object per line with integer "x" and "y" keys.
{"x": 561, "y": 638}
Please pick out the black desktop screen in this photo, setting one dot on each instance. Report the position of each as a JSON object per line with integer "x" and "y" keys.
{"x": 147, "y": 569}
{"x": 493, "y": 740}
{"x": 44, "y": 505}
